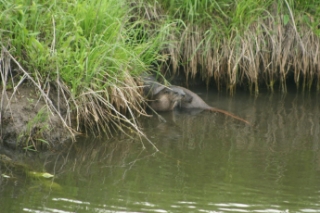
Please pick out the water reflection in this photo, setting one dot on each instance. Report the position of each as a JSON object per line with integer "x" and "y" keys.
{"x": 208, "y": 162}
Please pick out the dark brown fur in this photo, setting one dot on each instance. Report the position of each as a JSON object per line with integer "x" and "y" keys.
{"x": 161, "y": 98}
{"x": 166, "y": 99}
{"x": 193, "y": 101}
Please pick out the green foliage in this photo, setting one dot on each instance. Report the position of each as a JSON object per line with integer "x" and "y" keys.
{"x": 93, "y": 51}
{"x": 89, "y": 49}
{"x": 31, "y": 136}
{"x": 83, "y": 40}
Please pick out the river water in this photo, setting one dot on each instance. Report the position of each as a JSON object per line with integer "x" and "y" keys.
{"x": 208, "y": 162}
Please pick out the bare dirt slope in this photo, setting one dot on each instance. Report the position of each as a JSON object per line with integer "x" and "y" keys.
{"x": 26, "y": 121}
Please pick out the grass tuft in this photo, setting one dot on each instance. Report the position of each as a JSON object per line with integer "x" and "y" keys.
{"x": 248, "y": 43}
{"x": 89, "y": 52}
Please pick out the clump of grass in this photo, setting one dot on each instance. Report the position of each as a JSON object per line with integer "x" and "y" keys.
{"x": 248, "y": 42}
{"x": 87, "y": 50}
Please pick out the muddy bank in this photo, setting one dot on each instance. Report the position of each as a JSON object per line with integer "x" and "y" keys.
{"x": 27, "y": 122}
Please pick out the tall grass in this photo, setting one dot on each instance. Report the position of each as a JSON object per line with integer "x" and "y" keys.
{"x": 249, "y": 42}
{"x": 88, "y": 51}
{"x": 92, "y": 52}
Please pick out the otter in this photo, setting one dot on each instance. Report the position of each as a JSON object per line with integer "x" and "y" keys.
{"x": 165, "y": 98}
{"x": 161, "y": 98}
{"x": 193, "y": 101}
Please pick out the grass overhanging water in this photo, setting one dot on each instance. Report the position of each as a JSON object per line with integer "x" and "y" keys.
{"x": 88, "y": 51}
{"x": 92, "y": 52}
{"x": 248, "y": 43}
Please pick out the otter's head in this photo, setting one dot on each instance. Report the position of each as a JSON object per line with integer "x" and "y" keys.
{"x": 173, "y": 93}
{"x": 166, "y": 98}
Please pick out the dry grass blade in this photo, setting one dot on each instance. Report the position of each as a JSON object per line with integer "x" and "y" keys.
{"x": 43, "y": 94}
{"x": 102, "y": 111}
{"x": 278, "y": 38}
{"x": 4, "y": 71}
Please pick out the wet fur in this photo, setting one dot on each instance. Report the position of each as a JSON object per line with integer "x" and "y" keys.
{"x": 193, "y": 101}
{"x": 166, "y": 99}
{"x": 160, "y": 97}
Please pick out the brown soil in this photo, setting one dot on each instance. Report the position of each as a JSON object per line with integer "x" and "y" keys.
{"x": 26, "y": 119}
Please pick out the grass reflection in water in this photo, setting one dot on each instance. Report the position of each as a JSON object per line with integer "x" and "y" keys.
{"x": 208, "y": 163}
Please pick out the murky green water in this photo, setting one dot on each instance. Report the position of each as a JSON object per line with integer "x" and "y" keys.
{"x": 208, "y": 163}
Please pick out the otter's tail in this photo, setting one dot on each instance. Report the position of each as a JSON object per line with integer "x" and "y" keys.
{"x": 227, "y": 113}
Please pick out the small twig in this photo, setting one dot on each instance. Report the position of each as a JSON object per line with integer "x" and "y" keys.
{"x": 229, "y": 114}
{"x": 46, "y": 98}
{"x": 3, "y": 72}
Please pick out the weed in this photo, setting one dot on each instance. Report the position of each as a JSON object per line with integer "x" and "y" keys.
{"x": 31, "y": 137}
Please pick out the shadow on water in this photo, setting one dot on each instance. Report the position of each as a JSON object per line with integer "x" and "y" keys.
{"x": 208, "y": 162}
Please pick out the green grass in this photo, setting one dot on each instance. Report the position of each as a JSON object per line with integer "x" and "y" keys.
{"x": 89, "y": 51}
{"x": 92, "y": 52}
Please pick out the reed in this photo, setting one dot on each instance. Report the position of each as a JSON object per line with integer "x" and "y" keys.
{"x": 248, "y": 43}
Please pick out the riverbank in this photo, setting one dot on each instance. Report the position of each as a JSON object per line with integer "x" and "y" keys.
{"x": 208, "y": 162}
{"x": 86, "y": 53}
{"x": 90, "y": 56}
{"x": 28, "y": 123}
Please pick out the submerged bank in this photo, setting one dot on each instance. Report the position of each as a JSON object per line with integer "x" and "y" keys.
{"x": 89, "y": 54}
